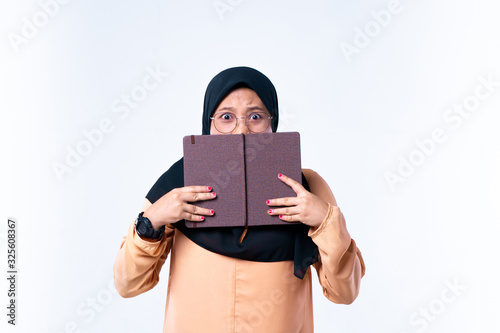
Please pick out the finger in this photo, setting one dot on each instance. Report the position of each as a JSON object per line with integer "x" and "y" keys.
{"x": 284, "y": 211}
{"x": 196, "y": 210}
{"x": 197, "y": 196}
{"x": 287, "y": 201}
{"x": 290, "y": 218}
{"x": 296, "y": 186}
{"x": 194, "y": 188}
{"x": 193, "y": 217}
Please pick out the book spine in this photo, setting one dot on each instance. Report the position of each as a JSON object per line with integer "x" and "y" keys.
{"x": 245, "y": 189}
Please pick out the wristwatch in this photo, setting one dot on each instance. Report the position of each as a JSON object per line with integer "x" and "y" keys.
{"x": 145, "y": 229}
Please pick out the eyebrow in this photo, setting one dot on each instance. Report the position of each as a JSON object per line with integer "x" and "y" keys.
{"x": 252, "y": 108}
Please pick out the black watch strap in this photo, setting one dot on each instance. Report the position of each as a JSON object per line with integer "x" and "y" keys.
{"x": 144, "y": 228}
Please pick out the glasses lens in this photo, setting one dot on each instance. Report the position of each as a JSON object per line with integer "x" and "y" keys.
{"x": 258, "y": 122}
{"x": 225, "y": 122}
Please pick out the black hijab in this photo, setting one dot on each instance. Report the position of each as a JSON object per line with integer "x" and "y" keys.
{"x": 232, "y": 78}
{"x": 264, "y": 243}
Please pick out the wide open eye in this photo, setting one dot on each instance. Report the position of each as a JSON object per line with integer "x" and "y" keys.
{"x": 257, "y": 117}
{"x": 258, "y": 122}
{"x": 226, "y": 117}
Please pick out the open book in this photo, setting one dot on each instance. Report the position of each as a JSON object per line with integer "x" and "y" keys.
{"x": 243, "y": 170}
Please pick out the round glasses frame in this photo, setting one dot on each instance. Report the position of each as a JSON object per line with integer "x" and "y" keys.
{"x": 237, "y": 122}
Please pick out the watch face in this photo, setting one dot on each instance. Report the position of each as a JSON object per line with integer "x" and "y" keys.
{"x": 141, "y": 228}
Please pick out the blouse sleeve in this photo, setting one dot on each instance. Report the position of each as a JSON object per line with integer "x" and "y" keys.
{"x": 139, "y": 262}
{"x": 340, "y": 265}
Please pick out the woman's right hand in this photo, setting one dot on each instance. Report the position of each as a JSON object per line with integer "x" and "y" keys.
{"x": 174, "y": 206}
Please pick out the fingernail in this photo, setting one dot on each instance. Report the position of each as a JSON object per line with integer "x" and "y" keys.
{"x": 202, "y": 217}
{"x": 212, "y": 211}
{"x": 280, "y": 175}
{"x": 281, "y": 216}
{"x": 268, "y": 202}
{"x": 209, "y": 188}
{"x": 213, "y": 194}
{"x": 270, "y": 211}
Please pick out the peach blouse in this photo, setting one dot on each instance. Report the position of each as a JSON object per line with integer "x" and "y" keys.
{"x": 209, "y": 292}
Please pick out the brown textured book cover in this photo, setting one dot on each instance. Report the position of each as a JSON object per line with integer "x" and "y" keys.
{"x": 242, "y": 169}
{"x": 266, "y": 155}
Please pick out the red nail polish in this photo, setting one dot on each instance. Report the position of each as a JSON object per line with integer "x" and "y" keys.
{"x": 209, "y": 188}
{"x": 211, "y": 211}
{"x": 281, "y": 216}
{"x": 202, "y": 217}
{"x": 280, "y": 175}
{"x": 270, "y": 211}
{"x": 213, "y": 194}
{"x": 268, "y": 202}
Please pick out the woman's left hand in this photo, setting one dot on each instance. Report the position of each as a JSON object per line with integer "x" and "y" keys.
{"x": 306, "y": 207}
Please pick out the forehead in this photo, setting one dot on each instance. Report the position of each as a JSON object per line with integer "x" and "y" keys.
{"x": 242, "y": 98}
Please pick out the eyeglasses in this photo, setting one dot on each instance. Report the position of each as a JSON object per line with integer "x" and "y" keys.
{"x": 256, "y": 122}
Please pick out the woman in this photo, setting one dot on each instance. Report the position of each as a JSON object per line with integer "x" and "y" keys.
{"x": 229, "y": 279}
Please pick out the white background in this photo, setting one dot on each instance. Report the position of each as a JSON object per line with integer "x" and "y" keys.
{"x": 359, "y": 115}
